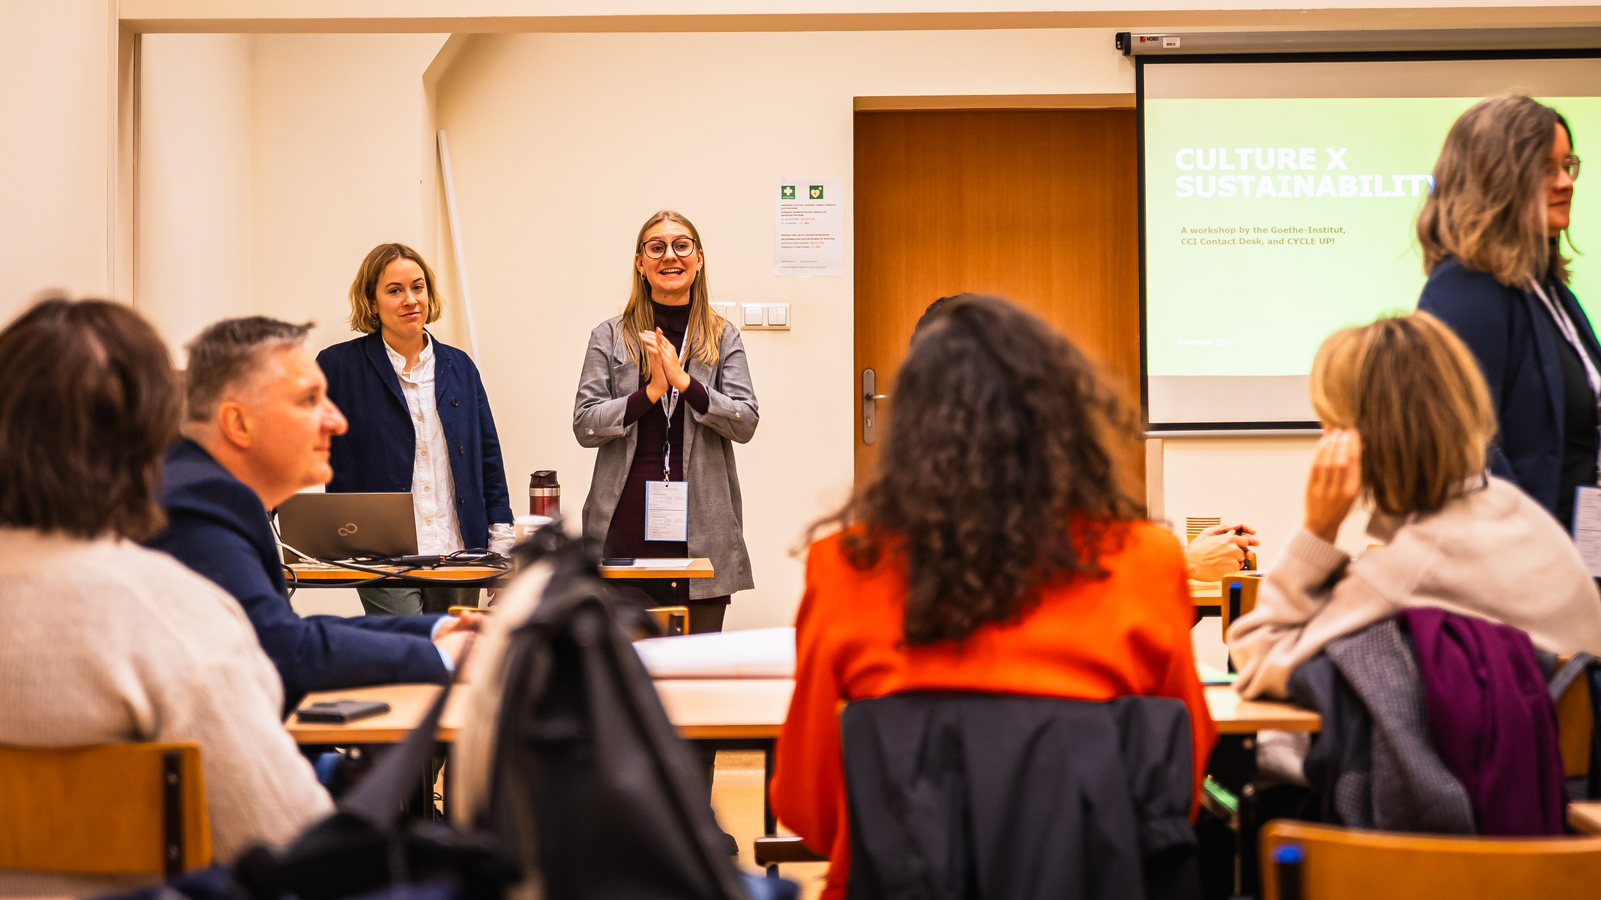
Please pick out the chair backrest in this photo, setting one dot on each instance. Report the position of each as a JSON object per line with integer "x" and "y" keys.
{"x": 109, "y": 810}
{"x": 672, "y": 620}
{"x": 1575, "y": 722}
{"x": 1351, "y": 864}
{"x": 1239, "y": 590}
{"x": 1019, "y": 796}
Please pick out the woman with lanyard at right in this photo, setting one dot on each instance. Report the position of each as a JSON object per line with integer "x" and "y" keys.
{"x": 664, "y": 394}
{"x": 1503, "y": 188}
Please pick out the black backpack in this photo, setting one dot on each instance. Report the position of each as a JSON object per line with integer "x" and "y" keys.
{"x": 592, "y": 794}
{"x": 590, "y": 782}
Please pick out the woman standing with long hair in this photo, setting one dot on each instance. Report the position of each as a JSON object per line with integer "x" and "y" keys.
{"x": 1490, "y": 230}
{"x": 664, "y": 394}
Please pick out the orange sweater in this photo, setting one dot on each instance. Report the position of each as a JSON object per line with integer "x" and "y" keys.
{"x": 1086, "y": 639}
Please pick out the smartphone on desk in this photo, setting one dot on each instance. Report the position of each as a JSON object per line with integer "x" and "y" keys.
{"x": 341, "y": 712}
{"x": 618, "y": 561}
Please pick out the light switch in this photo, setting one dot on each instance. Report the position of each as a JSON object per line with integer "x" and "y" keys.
{"x": 778, "y": 315}
{"x": 726, "y": 310}
{"x": 753, "y": 314}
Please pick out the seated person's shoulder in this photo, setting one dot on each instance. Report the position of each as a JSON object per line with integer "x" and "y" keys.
{"x": 1145, "y": 546}
{"x": 1496, "y": 526}
{"x": 193, "y": 482}
{"x": 834, "y": 555}
{"x": 165, "y": 586}
{"x": 1504, "y": 500}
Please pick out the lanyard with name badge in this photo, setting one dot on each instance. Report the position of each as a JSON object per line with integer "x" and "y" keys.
{"x": 1587, "y": 499}
{"x": 667, "y": 501}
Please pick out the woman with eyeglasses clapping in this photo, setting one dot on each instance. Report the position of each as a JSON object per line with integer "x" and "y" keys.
{"x": 664, "y": 394}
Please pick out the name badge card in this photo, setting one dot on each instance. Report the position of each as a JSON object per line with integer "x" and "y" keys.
{"x": 667, "y": 510}
{"x": 1587, "y": 528}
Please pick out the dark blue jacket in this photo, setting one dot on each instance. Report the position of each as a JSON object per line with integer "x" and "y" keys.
{"x": 218, "y": 527}
{"x": 1519, "y": 360}
{"x": 379, "y": 450}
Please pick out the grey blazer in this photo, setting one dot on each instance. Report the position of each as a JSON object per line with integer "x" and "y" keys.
{"x": 716, "y": 518}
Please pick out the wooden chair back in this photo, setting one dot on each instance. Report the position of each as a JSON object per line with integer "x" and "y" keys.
{"x": 1244, "y": 584}
{"x": 1348, "y": 864}
{"x": 118, "y": 809}
{"x": 672, "y": 620}
{"x": 1575, "y": 722}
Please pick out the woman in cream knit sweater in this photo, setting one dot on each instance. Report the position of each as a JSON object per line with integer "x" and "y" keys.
{"x": 1407, "y": 418}
{"x": 104, "y": 641}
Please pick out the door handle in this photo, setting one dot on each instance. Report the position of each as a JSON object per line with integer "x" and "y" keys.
{"x": 870, "y": 399}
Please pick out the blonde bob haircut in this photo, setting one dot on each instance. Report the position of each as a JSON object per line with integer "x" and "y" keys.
{"x": 364, "y": 290}
{"x": 1413, "y": 391}
{"x": 705, "y": 330}
{"x": 1487, "y": 207}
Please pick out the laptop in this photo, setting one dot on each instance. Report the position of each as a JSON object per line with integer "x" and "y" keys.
{"x": 344, "y": 526}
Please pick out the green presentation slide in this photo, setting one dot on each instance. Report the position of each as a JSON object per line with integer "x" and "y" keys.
{"x": 1270, "y": 223}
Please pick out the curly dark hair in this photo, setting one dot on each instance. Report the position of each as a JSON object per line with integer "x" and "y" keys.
{"x": 997, "y": 472}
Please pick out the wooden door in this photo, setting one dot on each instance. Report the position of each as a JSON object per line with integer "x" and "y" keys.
{"x": 1038, "y": 206}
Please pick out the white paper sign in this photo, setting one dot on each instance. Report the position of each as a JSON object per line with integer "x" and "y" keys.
{"x": 809, "y": 226}
{"x": 1587, "y": 528}
{"x": 666, "y": 510}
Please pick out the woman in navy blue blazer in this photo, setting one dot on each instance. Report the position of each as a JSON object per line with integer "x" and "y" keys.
{"x": 1503, "y": 188}
{"x": 419, "y": 422}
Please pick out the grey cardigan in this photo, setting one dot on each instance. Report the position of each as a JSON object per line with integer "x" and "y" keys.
{"x": 716, "y": 519}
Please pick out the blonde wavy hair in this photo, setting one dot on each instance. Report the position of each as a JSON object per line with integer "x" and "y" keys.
{"x": 1487, "y": 207}
{"x": 1413, "y": 391}
{"x": 705, "y": 330}
{"x": 364, "y": 290}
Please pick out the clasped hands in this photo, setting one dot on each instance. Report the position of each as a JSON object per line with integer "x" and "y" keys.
{"x": 665, "y": 369}
{"x": 453, "y": 636}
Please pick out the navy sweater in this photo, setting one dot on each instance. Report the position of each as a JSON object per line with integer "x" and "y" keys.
{"x": 1521, "y": 365}
{"x": 217, "y": 526}
{"x": 378, "y": 452}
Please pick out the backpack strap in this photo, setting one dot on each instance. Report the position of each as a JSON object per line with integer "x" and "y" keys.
{"x": 1558, "y": 683}
{"x": 380, "y": 797}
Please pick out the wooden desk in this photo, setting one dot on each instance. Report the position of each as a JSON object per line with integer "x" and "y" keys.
{"x": 1585, "y": 816}
{"x": 746, "y": 714}
{"x": 320, "y": 575}
{"x": 726, "y": 708}
{"x": 1236, "y": 716}
{"x": 702, "y": 709}
{"x": 408, "y": 703}
{"x": 714, "y": 708}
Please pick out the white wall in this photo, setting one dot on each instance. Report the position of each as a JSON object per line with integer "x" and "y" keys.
{"x": 270, "y": 165}
{"x": 56, "y": 111}
{"x": 337, "y": 167}
{"x": 193, "y": 258}
{"x": 1259, "y": 482}
{"x": 564, "y": 144}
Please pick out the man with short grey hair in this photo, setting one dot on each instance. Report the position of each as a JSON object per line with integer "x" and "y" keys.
{"x": 257, "y": 424}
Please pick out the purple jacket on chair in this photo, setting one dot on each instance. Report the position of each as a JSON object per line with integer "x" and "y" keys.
{"x": 1491, "y": 719}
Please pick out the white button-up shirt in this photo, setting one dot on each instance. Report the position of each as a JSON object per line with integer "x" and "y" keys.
{"x": 433, "y": 488}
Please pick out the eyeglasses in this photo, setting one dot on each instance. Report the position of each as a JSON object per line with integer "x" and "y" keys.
{"x": 657, "y": 248}
{"x": 1570, "y": 165}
